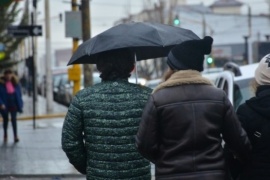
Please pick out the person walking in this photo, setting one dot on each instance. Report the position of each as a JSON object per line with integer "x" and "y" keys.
{"x": 255, "y": 118}
{"x": 186, "y": 119}
{"x": 10, "y": 102}
{"x": 102, "y": 120}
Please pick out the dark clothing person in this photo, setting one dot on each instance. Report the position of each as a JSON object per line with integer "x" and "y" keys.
{"x": 255, "y": 118}
{"x": 186, "y": 119}
{"x": 23, "y": 82}
{"x": 102, "y": 120}
{"x": 10, "y": 102}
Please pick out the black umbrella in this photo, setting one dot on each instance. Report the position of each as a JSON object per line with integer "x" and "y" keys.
{"x": 147, "y": 40}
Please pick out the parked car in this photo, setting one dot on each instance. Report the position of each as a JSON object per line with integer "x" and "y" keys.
{"x": 57, "y": 74}
{"x": 65, "y": 88}
{"x": 236, "y": 83}
{"x": 62, "y": 96}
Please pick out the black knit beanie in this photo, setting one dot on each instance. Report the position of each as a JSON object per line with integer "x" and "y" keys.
{"x": 190, "y": 54}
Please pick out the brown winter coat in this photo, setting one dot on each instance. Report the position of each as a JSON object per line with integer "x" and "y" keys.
{"x": 182, "y": 125}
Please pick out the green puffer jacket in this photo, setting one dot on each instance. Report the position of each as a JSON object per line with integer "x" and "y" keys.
{"x": 99, "y": 131}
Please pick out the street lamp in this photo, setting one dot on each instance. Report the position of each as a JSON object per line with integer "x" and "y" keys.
{"x": 249, "y": 51}
{"x": 246, "y": 52}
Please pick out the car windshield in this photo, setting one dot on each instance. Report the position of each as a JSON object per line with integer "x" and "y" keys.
{"x": 56, "y": 79}
{"x": 242, "y": 92}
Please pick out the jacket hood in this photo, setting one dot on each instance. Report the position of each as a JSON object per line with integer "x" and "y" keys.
{"x": 261, "y": 103}
{"x": 14, "y": 80}
{"x": 183, "y": 77}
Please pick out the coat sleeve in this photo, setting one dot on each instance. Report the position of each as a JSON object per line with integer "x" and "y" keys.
{"x": 1, "y": 101}
{"x": 1, "y": 94}
{"x": 72, "y": 136}
{"x": 234, "y": 135}
{"x": 241, "y": 114}
{"x": 147, "y": 135}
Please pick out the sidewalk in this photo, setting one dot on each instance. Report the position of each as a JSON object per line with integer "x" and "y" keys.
{"x": 57, "y": 111}
{"x": 38, "y": 155}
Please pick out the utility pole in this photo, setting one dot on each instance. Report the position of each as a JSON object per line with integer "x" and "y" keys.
{"x": 250, "y": 56}
{"x": 246, "y": 57}
{"x": 34, "y": 62}
{"x": 249, "y": 21}
{"x": 76, "y": 69}
{"x": 86, "y": 33}
{"x": 268, "y": 2}
{"x": 204, "y": 26}
{"x": 49, "y": 98}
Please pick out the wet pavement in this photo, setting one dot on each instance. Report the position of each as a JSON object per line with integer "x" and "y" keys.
{"x": 40, "y": 107}
{"x": 38, "y": 155}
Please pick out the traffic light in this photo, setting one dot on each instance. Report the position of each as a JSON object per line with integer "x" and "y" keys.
{"x": 210, "y": 61}
{"x": 176, "y": 20}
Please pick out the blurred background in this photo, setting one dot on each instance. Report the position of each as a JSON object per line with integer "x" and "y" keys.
{"x": 240, "y": 29}
{"x": 38, "y": 38}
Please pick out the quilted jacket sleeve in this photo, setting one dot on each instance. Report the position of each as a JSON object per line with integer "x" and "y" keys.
{"x": 72, "y": 136}
{"x": 147, "y": 136}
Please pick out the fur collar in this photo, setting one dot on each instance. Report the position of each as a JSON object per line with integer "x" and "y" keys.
{"x": 14, "y": 80}
{"x": 183, "y": 77}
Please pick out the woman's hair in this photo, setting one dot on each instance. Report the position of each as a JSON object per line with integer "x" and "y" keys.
{"x": 254, "y": 85}
{"x": 116, "y": 64}
{"x": 168, "y": 74}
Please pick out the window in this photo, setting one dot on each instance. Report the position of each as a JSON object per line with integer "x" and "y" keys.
{"x": 241, "y": 92}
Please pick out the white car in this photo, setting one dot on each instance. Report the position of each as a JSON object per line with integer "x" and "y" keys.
{"x": 238, "y": 87}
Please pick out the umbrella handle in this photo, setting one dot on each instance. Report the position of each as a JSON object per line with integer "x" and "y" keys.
{"x": 136, "y": 66}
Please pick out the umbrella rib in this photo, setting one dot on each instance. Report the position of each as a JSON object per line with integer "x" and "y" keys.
{"x": 160, "y": 38}
{"x": 93, "y": 46}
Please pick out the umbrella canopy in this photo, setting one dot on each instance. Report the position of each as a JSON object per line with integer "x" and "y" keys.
{"x": 147, "y": 40}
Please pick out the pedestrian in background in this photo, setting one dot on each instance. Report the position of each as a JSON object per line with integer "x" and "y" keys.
{"x": 10, "y": 102}
{"x": 184, "y": 119}
{"x": 23, "y": 82}
{"x": 102, "y": 120}
{"x": 255, "y": 118}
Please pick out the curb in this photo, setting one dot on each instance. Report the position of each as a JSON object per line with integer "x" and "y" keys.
{"x": 56, "y": 176}
{"x": 44, "y": 116}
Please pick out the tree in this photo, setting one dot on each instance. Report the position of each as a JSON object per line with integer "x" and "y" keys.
{"x": 161, "y": 12}
{"x": 9, "y": 14}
